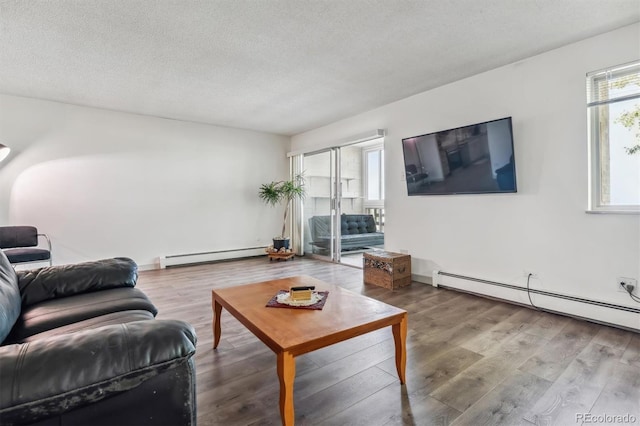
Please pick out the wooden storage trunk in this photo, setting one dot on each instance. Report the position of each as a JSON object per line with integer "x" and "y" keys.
{"x": 387, "y": 269}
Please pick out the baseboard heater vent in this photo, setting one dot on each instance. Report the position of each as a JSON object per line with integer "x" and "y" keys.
{"x": 541, "y": 292}
{"x": 211, "y": 256}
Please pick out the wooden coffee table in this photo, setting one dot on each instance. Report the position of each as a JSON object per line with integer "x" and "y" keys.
{"x": 293, "y": 332}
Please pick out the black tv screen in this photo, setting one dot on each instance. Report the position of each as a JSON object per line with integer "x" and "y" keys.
{"x": 466, "y": 160}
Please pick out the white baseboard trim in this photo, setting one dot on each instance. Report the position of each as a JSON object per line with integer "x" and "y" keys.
{"x": 211, "y": 256}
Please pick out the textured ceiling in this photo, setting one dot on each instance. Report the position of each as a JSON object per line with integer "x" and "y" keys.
{"x": 280, "y": 66}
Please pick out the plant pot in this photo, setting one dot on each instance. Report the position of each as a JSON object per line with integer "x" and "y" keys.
{"x": 280, "y": 242}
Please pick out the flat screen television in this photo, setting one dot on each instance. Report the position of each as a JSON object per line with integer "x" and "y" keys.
{"x": 474, "y": 159}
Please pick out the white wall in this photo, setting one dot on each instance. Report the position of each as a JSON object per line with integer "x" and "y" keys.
{"x": 543, "y": 228}
{"x": 104, "y": 183}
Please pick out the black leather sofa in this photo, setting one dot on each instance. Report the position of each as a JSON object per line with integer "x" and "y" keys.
{"x": 358, "y": 231}
{"x": 80, "y": 346}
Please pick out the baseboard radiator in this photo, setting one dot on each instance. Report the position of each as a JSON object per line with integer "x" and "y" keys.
{"x": 437, "y": 282}
{"x": 210, "y": 256}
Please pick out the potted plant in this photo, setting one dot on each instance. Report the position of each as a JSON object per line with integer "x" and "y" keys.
{"x": 276, "y": 192}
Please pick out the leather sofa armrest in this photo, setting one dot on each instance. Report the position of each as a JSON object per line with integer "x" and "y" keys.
{"x": 51, "y": 282}
{"x": 52, "y": 376}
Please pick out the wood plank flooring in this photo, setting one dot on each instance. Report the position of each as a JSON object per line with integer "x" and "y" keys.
{"x": 470, "y": 360}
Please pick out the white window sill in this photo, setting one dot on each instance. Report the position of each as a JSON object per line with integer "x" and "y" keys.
{"x": 614, "y": 210}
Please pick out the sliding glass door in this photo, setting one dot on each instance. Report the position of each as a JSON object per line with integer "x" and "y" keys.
{"x": 343, "y": 213}
{"x": 361, "y": 186}
{"x": 320, "y": 205}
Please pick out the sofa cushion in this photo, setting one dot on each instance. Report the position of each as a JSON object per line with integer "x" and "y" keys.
{"x": 121, "y": 317}
{"x": 363, "y": 240}
{"x": 357, "y": 224}
{"x": 9, "y": 297}
{"x": 355, "y": 241}
{"x": 18, "y": 236}
{"x": 349, "y": 224}
{"x": 37, "y": 285}
{"x": 21, "y": 255}
{"x": 63, "y": 311}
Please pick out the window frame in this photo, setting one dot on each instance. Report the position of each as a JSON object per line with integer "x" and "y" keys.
{"x": 367, "y": 203}
{"x": 594, "y": 140}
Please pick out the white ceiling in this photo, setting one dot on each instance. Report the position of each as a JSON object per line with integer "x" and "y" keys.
{"x": 280, "y": 66}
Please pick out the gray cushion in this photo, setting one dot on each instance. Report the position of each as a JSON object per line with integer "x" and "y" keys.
{"x": 21, "y": 255}
{"x": 18, "y": 236}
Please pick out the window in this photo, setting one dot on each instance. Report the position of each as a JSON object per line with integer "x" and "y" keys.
{"x": 374, "y": 176}
{"x": 373, "y": 157}
{"x": 613, "y": 106}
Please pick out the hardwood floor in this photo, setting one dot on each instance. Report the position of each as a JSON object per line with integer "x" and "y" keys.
{"x": 470, "y": 360}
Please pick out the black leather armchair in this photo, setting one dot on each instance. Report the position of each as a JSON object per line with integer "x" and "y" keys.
{"x": 80, "y": 346}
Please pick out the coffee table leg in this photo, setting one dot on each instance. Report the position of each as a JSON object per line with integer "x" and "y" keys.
{"x": 400, "y": 339}
{"x": 217, "y": 311}
{"x": 286, "y": 374}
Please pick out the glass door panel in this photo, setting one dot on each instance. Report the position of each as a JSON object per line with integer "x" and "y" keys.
{"x": 319, "y": 207}
{"x": 345, "y": 194}
{"x": 361, "y": 177}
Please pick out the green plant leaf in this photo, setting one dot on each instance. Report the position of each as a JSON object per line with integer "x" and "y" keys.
{"x": 270, "y": 193}
{"x": 286, "y": 191}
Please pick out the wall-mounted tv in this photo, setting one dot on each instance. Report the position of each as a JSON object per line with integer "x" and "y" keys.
{"x": 474, "y": 159}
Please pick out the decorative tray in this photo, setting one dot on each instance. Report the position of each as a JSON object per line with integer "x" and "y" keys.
{"x": 283, "y": 300}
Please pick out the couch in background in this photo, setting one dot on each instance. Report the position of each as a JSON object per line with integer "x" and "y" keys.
{"x": 358, "y": 231}
{"x": 80, "y": 345}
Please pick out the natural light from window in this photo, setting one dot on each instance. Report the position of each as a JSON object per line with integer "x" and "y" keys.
{"x": 614, "y": 137}
{"x": 374, "y": 179}
{"x": 624, "y": 189}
